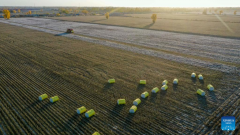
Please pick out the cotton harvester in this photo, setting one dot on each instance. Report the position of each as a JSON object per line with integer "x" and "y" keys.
{"x": 69, "y": 31}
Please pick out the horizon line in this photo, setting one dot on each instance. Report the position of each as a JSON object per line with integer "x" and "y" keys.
{"x": 122, "y": 7}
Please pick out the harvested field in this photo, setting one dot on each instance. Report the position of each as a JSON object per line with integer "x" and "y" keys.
{"x": 191, "y": 17}
{"x": 185, "y": 23}
{"x": 34, "y": 62}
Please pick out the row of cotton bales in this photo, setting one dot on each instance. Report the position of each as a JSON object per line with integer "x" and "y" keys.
{"x": 45, "y": 96}
{"x": 200, "y": 76}
{"x": 83, "y": 109}
{"x": 136, "y": 102}
{"x": 145, "y": 94}
{"x": 199, "y": 91}
{"x": 133, "y": 109}
{"x": 80, "y": 110}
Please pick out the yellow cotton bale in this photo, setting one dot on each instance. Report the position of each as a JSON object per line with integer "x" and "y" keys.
{"x": 133, "y": 109}
{"x": 137, "y": 101}
{"x": 121, "y": 101}
{"x": 164, "y": 87}
{"x": 200, "y": 92}
{"x": 193, "y": 75}
{"x": 95, "y": 133}
{"x": 144, "y": 94}
{"x": 54, "y": 99}
{"x": 90, "y": 113}
{"x": 81, "y": 110}
{"x": 143, "y": 82}
{"x": 111, "y": 81}
{"x": 165, "y": 82}
{"x": 175, "y": 81}
{"x": 210, "y": 87}
{"x": 155, "y": 90}
{"x": 42, "y": 97}
{"x": 200, "y": 77}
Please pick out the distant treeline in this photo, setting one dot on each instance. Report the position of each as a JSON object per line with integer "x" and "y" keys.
{"x": 125, "y": 9}
{"x": 154, "y": 9}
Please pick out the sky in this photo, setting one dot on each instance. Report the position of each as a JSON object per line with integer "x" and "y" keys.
{"x": 124, "y": 3}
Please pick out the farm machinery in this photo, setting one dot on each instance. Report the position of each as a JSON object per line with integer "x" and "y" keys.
{"x": 69, "y": 31}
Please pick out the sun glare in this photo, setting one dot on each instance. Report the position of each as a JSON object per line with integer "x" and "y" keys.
{"x": 126, "y": 3}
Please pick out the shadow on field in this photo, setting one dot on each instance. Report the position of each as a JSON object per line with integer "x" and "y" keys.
{"x": 45, "y": 106}
{"x": 148, "y": 26}
{"x": 143, "y": 102}
{"x": 128, "y": 119}
{"x": 97, "y": 20}
{"x": 202, "y": 101}
{"x": 33, "y": 104}
{"x": 163, "y": 93}
{"x": 128, "y": 124}
{"x": 84, "y": 121}
{"x": 201, "y": 81}
{"x": 153, "y": 97}
{"x": 61, "y": 34}
{"x": 108, "y": 86}
{"x": 194, "y": 80}
{"x": 140, "y": 86}
{"x": 70, "y": 121}
{"x": 175, "y": 86}
{"x": 212, "y": 95}
{"x": 116, "y": 110}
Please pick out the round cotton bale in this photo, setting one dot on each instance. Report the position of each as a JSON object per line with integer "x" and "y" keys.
{"x": 54, "y": 99}
{"x": 193, "y": 75}
{"x": 155, "y": 90}
{"x": 200, "y": 92}
{"x": 143, "y": 82}
{"x": 95, "y": 133}
{"x": 137, "y": 101}
{"x": 133, "y": 109}
{"x": 121, "y": 101}
{"x": 111, "y": 81}
{"x": 164, "y": 87}
{"x": 81, "y": 110}
{"x": 165, "y": 82}
{"x": 200, "y": 77}
{"x": 175, "y": 81}
{"x": 42, "y": 97}
{"x": 90, "y": 113}
{"x": 210, "y": 87}
{"x": 144, "y": 94}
